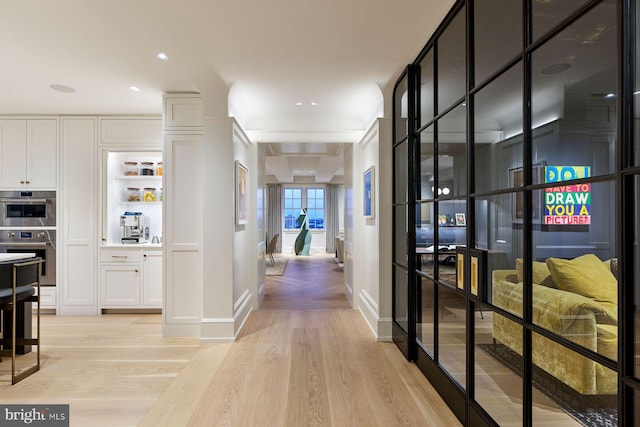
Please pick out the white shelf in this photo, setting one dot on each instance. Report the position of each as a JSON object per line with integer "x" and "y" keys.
{"x": 139, "y": 178}
{"x": 141, "y": 203}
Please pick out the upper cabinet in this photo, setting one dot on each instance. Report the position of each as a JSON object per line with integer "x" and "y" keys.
{"x": 28, "y": 154}
{"x": 131, "y": 133}
{"x": 182, "y": 111}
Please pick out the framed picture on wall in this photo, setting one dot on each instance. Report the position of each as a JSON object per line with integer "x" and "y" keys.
{"x": 369, "y": 192}
{"x": 242, "y": 175}
{"x": 516, "y": 180}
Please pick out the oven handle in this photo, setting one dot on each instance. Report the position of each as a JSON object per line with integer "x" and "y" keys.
{"x": 36, "y": 244}
{"x": 25, "y": 201}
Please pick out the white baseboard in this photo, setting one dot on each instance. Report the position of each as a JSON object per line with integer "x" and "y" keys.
{"x": 380, "y": 327}
{"x": 227, "y": 329}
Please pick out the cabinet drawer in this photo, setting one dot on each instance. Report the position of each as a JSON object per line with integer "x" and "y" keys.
{"x": 47, "y": 296}
{"x": 120, "y": 256}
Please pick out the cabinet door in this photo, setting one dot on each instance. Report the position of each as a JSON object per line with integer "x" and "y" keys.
{"x": 120, "y": 286}
{"x": 42, "y": 153}
{"x": 13, "y": 150}
{"x": 77, "y": 201}
{"x": 152, "y": 279}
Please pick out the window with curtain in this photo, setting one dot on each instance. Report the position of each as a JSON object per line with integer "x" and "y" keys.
{"x": 311, "y": 198}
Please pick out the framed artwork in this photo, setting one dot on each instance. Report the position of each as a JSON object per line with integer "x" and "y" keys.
{"x": 461, "y": 219}
{"x": 242, "y": 175}
{"x": 369, "y": 192}
{"x": 516, "y": 180}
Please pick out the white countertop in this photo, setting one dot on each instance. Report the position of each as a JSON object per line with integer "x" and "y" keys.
{"x": 14, "y": 257}
{"x": 133, "y": 245}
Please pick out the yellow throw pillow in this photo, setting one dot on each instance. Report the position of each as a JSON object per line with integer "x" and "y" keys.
{"x": 586, "y": 275}
{"x": 541, "y": 274}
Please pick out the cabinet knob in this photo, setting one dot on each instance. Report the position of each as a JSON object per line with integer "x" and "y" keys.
{"x": 136, "y": 270}
{"x": 21, "y": 182}
{"x": 28, "y": 182}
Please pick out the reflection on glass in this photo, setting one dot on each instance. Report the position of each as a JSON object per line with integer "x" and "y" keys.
{"x": 493, "y": 19}
{"x": 452, "y": 329}
{"x": 452, "y": 153}
{"x": 401, "y": 101}
{"x": 427, "y": 175}
{"x": 426, "y": 310}
{"x": 452, "y": 232}
{"x": 587, "y": 390}
{"x": 574, "y": 84}
{"x": 425, "y": 237}
{"x": 575, "y": 286}
{"x": 498, "y": 131}
{"x": 636, "y": 398}
{"x": 498, "y": 372}
{"x": 426, "y": 89}
{"x": 547, "y": 14}
{"x": 401, "y": 234}
{"x": 497, "y": 233}
{"x": 452, "y": 63}
{"x": 636, "y": 96}
{"x": 401, "y": 298}
{"x": 401, "y": 172}
{"x": 636, "y": 278}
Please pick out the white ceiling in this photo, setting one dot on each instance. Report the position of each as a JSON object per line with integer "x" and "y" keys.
{"x": 264, "y": 57}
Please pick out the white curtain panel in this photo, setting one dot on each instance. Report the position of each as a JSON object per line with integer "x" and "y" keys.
{"x": 332, "y": 220}
{"x": 274, "y": 214}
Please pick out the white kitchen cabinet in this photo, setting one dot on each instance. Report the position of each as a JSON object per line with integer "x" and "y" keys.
{"x": 120, "y": 285}
{"x": 130, "y": 277}
{"x": 152, "y": 279}
{"x": 77, "y": 221}
{"x": 28, "y": 154}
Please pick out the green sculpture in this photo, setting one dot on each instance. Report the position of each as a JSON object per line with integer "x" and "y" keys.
{"x": 303, "y": 241}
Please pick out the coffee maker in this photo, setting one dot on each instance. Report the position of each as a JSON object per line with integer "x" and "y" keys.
{"x": 135, "y": 228}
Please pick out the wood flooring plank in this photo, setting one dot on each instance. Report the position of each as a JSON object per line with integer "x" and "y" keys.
{"x": 177, "y": 404}
{"x": 307, "y": 397}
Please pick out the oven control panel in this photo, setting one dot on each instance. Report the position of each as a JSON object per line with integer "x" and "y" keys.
{"x": 27, "y": 236}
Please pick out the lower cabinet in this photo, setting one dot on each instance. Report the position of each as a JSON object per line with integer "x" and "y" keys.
{"x": 152, "y": 278}
{"x": 130, "y": 278}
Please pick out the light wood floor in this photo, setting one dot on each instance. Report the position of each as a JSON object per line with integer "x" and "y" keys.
{"x": 303, "y": 359}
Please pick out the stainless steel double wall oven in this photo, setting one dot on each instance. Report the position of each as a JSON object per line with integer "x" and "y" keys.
{"x": 28, "y": 221}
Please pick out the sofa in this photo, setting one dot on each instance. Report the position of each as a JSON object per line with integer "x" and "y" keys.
{"x": 576, "y": 299}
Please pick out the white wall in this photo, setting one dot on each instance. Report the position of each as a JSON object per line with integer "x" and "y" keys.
{"x": 349, "y": 221}
{"x": 230, "y": 250}
{"x": 245, "y": 237}
{"x": 372, "y": 236}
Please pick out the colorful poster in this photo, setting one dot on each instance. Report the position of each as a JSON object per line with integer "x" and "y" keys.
{"x": 567, "y": 204}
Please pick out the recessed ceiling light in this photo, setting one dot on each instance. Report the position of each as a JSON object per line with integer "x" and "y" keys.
{"x": 556, "y": 68}
{"x": 299, "y": 104}
{"x": 314, "y": 104}
{"x": 162, "y": 56}
{"x": 610, "y": 95}
{"x": 134, "y": 88}
{"x": 62, "y": 88}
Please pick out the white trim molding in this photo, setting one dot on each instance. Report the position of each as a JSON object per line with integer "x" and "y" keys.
{"x": 381, "y": 327}
{"x": 227, "y": 329}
